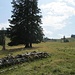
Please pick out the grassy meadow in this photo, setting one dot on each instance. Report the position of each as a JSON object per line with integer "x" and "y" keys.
{"x": 60, "y": 62}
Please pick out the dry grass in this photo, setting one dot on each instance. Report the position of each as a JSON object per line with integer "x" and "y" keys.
{"x": 61, "y": 62}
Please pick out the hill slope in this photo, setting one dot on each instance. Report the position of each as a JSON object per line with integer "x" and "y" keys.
{"x": 60, "y": 62}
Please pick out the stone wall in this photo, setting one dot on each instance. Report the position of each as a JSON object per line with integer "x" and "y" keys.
{"x": 21, "y": 58}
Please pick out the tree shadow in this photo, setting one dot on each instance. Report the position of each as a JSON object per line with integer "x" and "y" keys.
{"x": 14, "y": 50}
{"x": 20, "y": 49}
{"x": 4, "y": 53}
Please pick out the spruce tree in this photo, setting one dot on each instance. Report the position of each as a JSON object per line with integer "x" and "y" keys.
{"x": 25, "y": 23}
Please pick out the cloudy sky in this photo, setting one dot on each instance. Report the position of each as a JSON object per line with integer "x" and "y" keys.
{"x": 58, "y": 16}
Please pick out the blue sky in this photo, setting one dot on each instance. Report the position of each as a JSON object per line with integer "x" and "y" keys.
{"x": 58, "y": 16}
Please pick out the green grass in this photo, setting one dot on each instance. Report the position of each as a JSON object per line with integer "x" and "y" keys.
{"x": 61, "y": 62}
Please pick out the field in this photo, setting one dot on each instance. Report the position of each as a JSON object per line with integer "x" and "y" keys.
{"x": 60, "y": 62}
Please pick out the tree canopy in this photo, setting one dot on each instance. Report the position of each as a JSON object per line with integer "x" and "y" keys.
{"x": 25, "y": 23}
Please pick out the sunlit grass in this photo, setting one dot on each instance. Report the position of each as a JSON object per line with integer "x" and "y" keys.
{"x": 60, "y": 62}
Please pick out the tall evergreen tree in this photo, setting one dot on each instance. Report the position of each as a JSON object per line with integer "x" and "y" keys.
{"x": 25, "y": 23}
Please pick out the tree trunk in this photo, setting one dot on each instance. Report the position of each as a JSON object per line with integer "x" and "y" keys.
{"x": 3, "y": 45}
{"x": 27, "y": 45}
{"x": 30, "y": 45}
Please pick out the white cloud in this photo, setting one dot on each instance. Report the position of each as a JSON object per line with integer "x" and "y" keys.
{"x": 4, "y": 25}
{"x": 54, "y": 21}
{"x": 72, "y": 2}
{"x": 62, "y": 35}
{"x": 57, "y": 13}
{"x": 47, "y": 32}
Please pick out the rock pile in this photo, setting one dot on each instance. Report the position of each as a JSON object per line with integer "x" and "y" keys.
{"x": 21, "y": 58}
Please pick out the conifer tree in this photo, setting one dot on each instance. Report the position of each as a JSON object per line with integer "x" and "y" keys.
{"x": 25, "y": 23}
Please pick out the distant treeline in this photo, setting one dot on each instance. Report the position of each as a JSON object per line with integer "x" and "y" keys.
{"x": 3, "y": 31}
{"x": 72, "y": 36}
{"x": 48, "y": 39}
